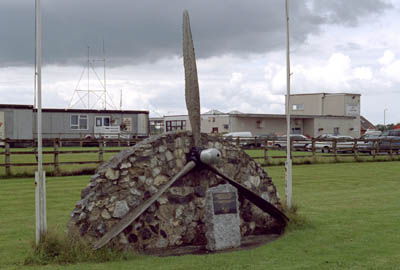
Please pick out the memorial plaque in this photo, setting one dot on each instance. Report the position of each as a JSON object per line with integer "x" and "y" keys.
{"x": 222, "y": 218}
{"x": 224, "y": 203}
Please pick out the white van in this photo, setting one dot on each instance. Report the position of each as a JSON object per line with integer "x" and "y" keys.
{"x": 239, "y": 134}
{"x": 246, "y": 139}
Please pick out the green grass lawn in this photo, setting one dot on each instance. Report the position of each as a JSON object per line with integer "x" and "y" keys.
{"x": 352, "y": 212}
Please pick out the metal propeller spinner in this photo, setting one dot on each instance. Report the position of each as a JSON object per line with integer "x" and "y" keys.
{"x": 206, "y": 157}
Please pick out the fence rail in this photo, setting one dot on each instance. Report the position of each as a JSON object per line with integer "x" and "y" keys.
{"x": 354, "y": 148}
{"x": 56, "y": 144}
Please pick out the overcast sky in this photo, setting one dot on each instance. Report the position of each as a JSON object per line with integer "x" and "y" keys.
{"x": 336, "y": 46}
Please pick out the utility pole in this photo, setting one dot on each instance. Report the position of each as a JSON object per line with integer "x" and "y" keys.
{"x": 288, "y": 163}
{"x": 384, "y": 118}
{"x": 40, "y": 176}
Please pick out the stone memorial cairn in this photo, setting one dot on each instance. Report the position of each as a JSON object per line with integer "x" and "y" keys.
{"x": 152, "y": 195}
{"x": 222, "y": 218}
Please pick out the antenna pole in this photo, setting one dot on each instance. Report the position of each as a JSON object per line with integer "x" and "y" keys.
{"x": 288, "y": 164}
{"x": 120, "y": 100}
{"x": 88, "y": 71}
{"x": 40, "y": 181}
{"x": 105, "y": 82}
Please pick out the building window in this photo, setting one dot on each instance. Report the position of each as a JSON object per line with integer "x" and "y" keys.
{"x": 226, "y": 126}
{"x": 175, "y": 125}
{"x": 296, "y": 130}
{"x": 79, "y": 121}
{"x": 156, "y": 126}
{"x": 99, "y": 121}
{"x": 102, "y": 121}
{"x": 298, "y": 107}
{"x": 335, "y": 131}
{"x": 106, "y": 121}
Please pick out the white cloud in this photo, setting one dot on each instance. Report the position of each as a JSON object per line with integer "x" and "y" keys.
{"x": 387, "y": 58}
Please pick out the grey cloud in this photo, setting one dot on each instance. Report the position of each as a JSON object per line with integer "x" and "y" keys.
{"x": 138, "y": 31}
{"x": 348, "y": 12}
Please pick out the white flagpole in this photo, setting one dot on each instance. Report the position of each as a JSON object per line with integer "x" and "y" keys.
{"x": 288, "y": 164}
{"x": 40, "y": 182}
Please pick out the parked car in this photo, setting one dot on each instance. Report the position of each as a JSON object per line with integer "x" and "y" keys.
{"x": 246, "y": 138}
{"x": 300, "y": 142}
{"x": 390, "y": 139}
{"x": 324, "y": 143}
{"x": 367, "y": 142}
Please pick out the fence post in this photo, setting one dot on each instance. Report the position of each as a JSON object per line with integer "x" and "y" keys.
{"x": 313, "y": 147}
{"x": 355, "y": 149}
{"x": 265, "y": 155}
{"x": 390, "y": 149}
{"x": 7, "y": 158}
{"x": 56, "y": 160}
{"x": 35, "y": 151}
{"x": 80, "y": 140}
{"x": 375, "y": 149}
{"x": 101, "y": 150}
{"x": 335, "y": 148}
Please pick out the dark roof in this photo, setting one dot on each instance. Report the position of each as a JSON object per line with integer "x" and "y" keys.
{"x": 92, "y": 111}
{"x": 16, "y": 106}
{"x": 30, "y": 107}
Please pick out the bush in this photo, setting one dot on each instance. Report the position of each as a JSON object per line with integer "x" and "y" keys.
{"x": 56, "y": 248}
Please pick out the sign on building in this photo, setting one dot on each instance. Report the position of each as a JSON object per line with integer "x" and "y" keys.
{"x": 352, "y": 110}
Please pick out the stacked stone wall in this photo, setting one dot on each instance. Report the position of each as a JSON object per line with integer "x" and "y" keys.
{"x": 177, "y": 217}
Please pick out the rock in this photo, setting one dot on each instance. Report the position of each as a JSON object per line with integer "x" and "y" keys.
{"x": 156, "y": 171}
{"x": 160, "y": 179}
{"x": 162, "y": 149}
{"x": 112, "y": 174}
{"x": 122, "y": 239}
{"x": 121, "y": 209}
{"x": 169, "y": 156}
{"x": 105, "y": 214}
{"x": 90, "y": 206}
{"x": 254, "y": 180}
{"x": 162, "y": 200}
{"x": 162, "y": 243}
{"x": 125, "y": 165}
{"x": 134, "y": 191}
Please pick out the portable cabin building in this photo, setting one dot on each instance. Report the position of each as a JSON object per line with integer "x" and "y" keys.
{"x": 19, "y": 122}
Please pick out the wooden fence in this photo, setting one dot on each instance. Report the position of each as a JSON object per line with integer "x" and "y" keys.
{"x": 353, "y": 148}
{"x": 333, "y": 147}
{"x": 56, "y": 152}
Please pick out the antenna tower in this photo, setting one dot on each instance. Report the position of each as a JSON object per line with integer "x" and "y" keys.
{"x": 92, "y": 98}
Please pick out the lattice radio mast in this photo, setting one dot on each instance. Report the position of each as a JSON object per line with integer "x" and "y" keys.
{"x": 83, "y": 96}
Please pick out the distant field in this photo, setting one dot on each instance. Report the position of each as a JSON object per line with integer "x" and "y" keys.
{"x": 352, "y": 213}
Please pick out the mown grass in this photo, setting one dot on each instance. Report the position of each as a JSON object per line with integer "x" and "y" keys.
{"x": 350, "y": 217}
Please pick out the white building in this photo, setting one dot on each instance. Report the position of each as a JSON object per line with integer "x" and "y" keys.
{"x": 312, "y": 115}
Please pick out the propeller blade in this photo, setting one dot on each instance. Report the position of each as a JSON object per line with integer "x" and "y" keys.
{"x": 253, "y": 197}
{"x": 135, "y": 213}
{"x": 192, "y": 95}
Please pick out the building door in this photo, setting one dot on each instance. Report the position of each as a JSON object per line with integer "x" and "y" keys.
{"x": 215, "y": 130}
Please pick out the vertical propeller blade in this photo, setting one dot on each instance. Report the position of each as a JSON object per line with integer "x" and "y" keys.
{"x": 191, "y": 81}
